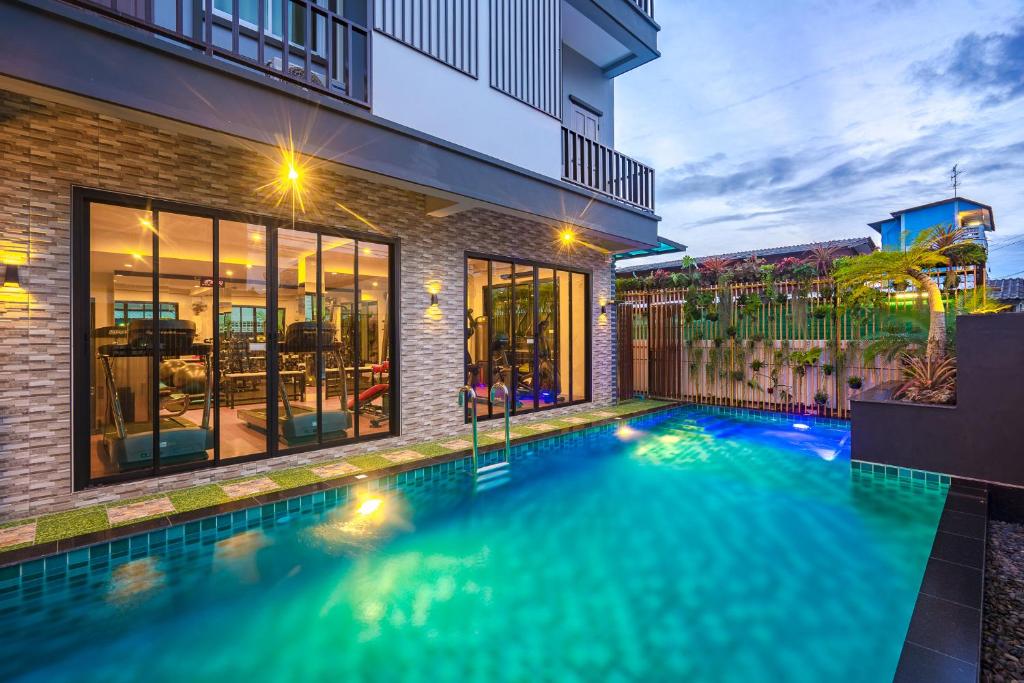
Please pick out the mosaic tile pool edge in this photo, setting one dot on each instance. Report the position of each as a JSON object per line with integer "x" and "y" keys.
{"x": 901, "y": 473}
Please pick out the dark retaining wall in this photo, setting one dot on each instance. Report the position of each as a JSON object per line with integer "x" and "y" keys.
{"x": 982, "y": 436}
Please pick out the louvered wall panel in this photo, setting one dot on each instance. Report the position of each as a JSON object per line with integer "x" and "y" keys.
{"x": 525, "y": 39}
{"x": 443, "y": 29}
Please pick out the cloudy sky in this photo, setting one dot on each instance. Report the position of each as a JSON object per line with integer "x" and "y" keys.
{"x": 774, "y": 123}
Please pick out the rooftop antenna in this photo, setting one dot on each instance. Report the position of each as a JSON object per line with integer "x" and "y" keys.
{"x": 954, "y": 179}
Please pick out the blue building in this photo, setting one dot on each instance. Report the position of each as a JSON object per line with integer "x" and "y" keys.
{"x": 905, "y": 225}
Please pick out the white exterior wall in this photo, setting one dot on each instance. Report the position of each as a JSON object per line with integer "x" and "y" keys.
{"x": 417, "y": 91}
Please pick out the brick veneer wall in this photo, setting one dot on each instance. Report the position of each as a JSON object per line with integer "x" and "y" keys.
{"x": 48, "y": 147}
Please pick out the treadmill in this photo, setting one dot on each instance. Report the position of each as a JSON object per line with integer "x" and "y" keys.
{"x": 130, "y": 445}
{"x": 298, "y": 424}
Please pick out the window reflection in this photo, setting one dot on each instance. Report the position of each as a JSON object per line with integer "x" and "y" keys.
{"x": 340, "y": 381}
{"x": 373, "y": 334}
{"x": 242, "y": 322}
{"x": 121, "y": 382}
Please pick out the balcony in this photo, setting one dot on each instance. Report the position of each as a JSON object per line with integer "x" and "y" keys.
{"x": 590, "y": 164}
{"x": 646, "y": 6}
{"x": 334, "y": 60}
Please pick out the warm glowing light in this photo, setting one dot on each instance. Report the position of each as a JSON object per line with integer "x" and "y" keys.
{"x": 361, "y": 476}
{"x": 147, "y": 224}
{"x": 137, "y": 257}
{"x": 434, "y": 287}
{"x": 293, "y": 173}
{"x": 248, "y": 266}
{"x": 367, "y": 251}
{"x": 375, "y": 283}
{"x": 256, "y": 237}
{"x": 625, "y": 432}
{"x": 129, "y": 265}
{"x": 229, "y": 273}
{"x": 567, "y": 236}
{"x": 369, "y": 506}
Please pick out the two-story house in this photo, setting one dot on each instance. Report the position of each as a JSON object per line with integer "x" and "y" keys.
{"x": 239, "y": 234}
{"x": 904, "y": 226}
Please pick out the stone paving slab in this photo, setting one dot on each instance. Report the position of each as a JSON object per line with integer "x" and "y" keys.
{"x": 541, "y": 426}
{"x": 575, "y": 420}
{"x": 250, "y": 487}
{"x": 16, "y": 535}
{"x": 402, "y": 456}
{"x": 145, "y": 508}
{"x": 500, "y": 436}
{"x": 334, "y": 469}
{"x": 457, "y": 445}
{"x": 603, "y": 413}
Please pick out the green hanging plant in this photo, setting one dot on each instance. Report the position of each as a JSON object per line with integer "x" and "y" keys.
{"x": 756, "y": 365}
{"x": 828, "y": 369}
{"x": 854, "y": 382}
{"x": 731, "y": 331}
{"x": 821, "y": 397}
{"x": 737, "y": 375}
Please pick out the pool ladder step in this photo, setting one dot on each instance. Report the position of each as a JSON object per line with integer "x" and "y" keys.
{"x": 493, "y": 476}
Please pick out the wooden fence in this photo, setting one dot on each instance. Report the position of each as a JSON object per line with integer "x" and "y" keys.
{"x": 775, "y": 348}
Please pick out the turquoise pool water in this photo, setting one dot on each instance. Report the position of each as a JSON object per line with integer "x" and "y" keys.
{"x": 689, "y": 546}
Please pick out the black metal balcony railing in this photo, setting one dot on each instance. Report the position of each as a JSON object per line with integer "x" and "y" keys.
{"x": 646, "y": 6}
{"x": 328, "y": 45}
{"x": 588, "y": 163}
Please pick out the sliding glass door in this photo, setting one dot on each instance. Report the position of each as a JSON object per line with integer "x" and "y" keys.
{"x": 269, "y": 339}
{"x": 527, "y": 327}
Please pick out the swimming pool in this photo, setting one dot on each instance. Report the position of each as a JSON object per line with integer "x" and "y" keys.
{"x": 692, "y": 544}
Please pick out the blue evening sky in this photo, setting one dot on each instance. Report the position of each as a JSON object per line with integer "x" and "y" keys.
{"x": 775, "y": 123}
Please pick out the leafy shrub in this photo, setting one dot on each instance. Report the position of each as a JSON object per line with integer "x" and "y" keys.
{"x": 821, "y": 397}
{"x": 927, "y": 380}
{"x": 854, "y": 382}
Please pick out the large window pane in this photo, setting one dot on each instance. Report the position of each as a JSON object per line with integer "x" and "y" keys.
{"x": 296, "y": 398}
{"x": 477, "y": 358}
{"x": 547, "y": 340}
{"x": 501, "y": 329}
{"x": 186, "y": 343}
{"x": 339, "y": 377}
{"x": 525, "y": 338}
{"x": 373, "y": 335}
{"x": 564, "y": 346}
{"x": 243, "y": 336}
{"x": 121, "y": 382}
{"x": 580, "y": 333}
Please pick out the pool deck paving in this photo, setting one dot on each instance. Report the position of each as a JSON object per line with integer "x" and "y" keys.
{"x": 26, "y": 539}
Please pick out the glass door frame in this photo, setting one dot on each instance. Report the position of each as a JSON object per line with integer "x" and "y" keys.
{"x": 81, "y": 333}
{"x": 588, "y": 274}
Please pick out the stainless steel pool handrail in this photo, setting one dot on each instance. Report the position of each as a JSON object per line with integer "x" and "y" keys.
{"x": 506, "y": 398}
{"x": 463, "y": 393}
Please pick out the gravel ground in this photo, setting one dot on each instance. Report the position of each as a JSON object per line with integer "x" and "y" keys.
{"x": 1003, "y": 638}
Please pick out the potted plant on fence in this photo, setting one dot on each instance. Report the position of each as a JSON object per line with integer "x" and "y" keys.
{"x": 854, "y": 382}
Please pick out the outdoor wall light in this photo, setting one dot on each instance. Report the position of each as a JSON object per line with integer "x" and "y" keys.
{"x": 12, "y": 278}
{"x": 434, "y": 288}
{"x": 433, "y": 300}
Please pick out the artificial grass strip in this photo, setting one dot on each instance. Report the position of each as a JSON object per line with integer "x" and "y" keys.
{"x": 72, "y": 523}
{"x": 368, "y": 463}
{"x": 293, "y": 478}
{"x": 198, "y": 497}
{"x": 431, "y": 449}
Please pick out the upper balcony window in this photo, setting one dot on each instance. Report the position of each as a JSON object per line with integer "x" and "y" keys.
{"x": 328, "y": 45}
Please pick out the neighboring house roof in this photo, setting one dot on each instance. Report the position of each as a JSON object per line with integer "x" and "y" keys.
{"x": 1007, "y": 289}
{"x": 856, "y": 245}
{"x": 877, "y": 225}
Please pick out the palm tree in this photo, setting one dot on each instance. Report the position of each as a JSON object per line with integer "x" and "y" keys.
{"x": 822, "y": 257}
{"x": 861, "y": 274}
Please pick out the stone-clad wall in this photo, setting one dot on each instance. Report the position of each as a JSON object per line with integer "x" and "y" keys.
{"x": 48, "y": 147}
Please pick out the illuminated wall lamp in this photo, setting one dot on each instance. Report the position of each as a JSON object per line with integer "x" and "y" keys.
{"x": 12, "y": 278}
{"x": 433, "y": 300}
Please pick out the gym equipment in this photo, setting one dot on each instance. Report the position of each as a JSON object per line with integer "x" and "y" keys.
{"x": 130, "y": 444}
{"x": 298, "y": 424}
{"x": 379, "y": 388}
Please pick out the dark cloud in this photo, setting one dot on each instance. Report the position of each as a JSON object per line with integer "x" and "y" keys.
{"x": 762, "y": 174}
{"x": 990, "y": 66}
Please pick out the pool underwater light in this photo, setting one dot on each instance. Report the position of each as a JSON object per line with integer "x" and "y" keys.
{"x": 801, "y": 426}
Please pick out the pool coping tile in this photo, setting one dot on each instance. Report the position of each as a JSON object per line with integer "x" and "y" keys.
{"x": 943, "y": 641}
